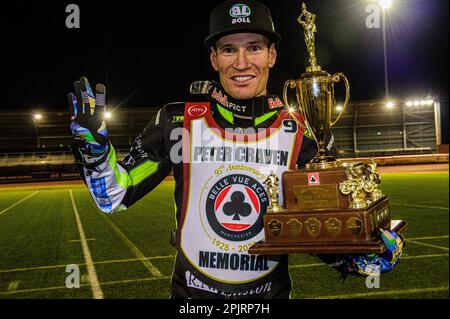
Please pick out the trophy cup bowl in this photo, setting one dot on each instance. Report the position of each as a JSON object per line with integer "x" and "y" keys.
{"x": 316, "y": 102}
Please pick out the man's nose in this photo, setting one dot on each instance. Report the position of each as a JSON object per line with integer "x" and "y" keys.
{"x": 242, "y": 61}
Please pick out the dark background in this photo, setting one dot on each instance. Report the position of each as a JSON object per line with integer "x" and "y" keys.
{"x": 147, "y": 52}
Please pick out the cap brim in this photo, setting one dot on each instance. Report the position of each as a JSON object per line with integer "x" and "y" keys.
{"x": 212, "y": 39}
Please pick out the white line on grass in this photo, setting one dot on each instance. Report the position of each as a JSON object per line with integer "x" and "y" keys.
{"x": 420, "y": 206}
{"x": 308, "y": 265}
{"x": 426, "y": 238}
{"x": 357, "y": 295}
{"x": 383, "y": 293}
{"x": 116, "y": 261}
{"x": 428, "y": 245}
{"x": 172, "y": 256}
{"x": 404, "y": 257}
{"x": 153, "y": 270}
{"x": 106, "y": 283}
{"x": 93, "y": 280}
{"x": 17, "y": 203}
{"x": 77, "y": 240}
{"x": 425, "y": 256}
{"x": 168, "y": 277}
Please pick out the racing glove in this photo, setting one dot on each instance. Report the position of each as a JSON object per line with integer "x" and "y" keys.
{"x": 88, "y": 128}
{"x": 369, "y": 264}
{"x": 376, "y": 264}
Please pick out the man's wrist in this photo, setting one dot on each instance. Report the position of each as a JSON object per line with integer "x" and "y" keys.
{"x": 90, "y": 161}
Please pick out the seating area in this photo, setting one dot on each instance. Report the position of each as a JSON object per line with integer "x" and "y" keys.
{"x": 40, "y": 166}
{"x": 38, "y": 148}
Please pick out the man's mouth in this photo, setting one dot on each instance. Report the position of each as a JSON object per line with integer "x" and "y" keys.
{"x": 242, "y": 78}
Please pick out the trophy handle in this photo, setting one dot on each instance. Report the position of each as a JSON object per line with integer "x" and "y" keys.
{"x": 291, "y": 84}
{"x": 336, "y": 78}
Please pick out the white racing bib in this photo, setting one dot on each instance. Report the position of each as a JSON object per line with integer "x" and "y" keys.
{"x": 225, "y": 198}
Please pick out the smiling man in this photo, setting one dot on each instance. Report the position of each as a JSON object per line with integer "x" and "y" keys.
{"x": 243, "y": 61}
{"x": 221, "y": 146}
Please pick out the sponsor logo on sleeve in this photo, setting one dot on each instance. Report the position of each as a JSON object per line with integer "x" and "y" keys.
{"x": 99, "y": 190}
{"x": 197, "y": 110}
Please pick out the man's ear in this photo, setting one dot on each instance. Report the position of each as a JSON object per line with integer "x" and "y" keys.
{"x": 272, "y": 55}
{"x": 213, "y": 58}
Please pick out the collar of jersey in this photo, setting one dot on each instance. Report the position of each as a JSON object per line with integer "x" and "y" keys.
{"x": 229, "y": 116}
{"x": 247, "y": 109}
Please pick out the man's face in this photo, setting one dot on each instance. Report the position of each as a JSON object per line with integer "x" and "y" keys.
{"x": 243, "y": 61}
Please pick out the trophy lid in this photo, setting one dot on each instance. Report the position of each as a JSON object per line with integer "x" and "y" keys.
{"x": 310, "y": 74}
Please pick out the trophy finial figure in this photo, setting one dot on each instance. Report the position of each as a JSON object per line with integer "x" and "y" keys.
{"x": 307, "y": 21}
{"x": 271, "y": 183}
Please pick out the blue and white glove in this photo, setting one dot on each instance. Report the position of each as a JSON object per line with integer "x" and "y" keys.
{"x": 87, "y": 124}
{"x": 376, "y": 264}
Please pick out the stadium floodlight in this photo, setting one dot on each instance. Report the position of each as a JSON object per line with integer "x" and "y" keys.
{"x": 385, "y": 4}
{"x": 37, "y": 117}
{"x": 390, "y": 104}
{"x": 107, "y": 115}
{"x": 428, "y": 102}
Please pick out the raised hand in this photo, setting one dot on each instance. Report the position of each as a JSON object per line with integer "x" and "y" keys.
{"x": 87, "y": 124}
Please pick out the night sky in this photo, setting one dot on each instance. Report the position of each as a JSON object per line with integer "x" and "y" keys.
{"x": 147, "y": 52}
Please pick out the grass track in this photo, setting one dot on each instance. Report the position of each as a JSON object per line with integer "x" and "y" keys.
{"x": 42, "y": 232}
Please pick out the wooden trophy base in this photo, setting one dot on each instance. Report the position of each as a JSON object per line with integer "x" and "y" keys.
{"x": 375, "y": 245}
{"x": 319, "y": 218}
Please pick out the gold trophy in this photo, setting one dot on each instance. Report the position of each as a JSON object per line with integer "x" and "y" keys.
{"x": 330, "y": 206}
{"x": 315, "y": 96}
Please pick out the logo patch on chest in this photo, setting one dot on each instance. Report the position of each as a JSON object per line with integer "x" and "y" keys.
{"x": 234, "y": 207}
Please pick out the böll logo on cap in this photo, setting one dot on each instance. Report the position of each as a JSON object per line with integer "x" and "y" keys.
{"x": 197, "y": 110}
{"x": 240, "y": 12}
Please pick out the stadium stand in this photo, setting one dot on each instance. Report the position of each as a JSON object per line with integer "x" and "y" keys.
{"x": 38, "y": 150}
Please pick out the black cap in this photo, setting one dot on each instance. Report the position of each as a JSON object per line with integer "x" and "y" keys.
{"x": 236, "y": 16}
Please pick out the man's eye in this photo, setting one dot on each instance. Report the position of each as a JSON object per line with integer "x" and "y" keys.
{"x": 228, "y": 50}
{"x": 254, "y": 48}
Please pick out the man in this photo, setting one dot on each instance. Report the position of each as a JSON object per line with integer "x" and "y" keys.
{"x": 221, "y": 147}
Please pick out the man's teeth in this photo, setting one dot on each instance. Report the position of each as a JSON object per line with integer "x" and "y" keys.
{"x": 242, "y": 78}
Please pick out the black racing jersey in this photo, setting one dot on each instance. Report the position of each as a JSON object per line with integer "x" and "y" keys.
{"x": 157, "y": 152}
